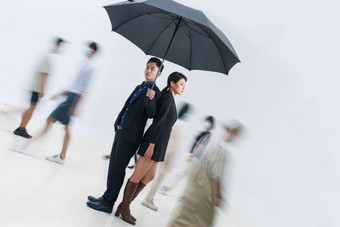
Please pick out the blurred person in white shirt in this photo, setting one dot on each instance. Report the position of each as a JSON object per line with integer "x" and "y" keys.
{"x": 37, "y": 87}
{"x": 66, "y": 109}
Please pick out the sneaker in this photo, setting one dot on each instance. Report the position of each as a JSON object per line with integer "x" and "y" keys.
{"x": 149, "y": 204}
{"x": 106, "y": 157}
{"x": 55, "y": 158}
{"x": 16, "y": 146}
{"x": 163, "y": 190}
{"x": 22, "y": 133}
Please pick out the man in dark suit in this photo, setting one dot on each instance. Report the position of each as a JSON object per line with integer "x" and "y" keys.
{"x": 129, "y": 129}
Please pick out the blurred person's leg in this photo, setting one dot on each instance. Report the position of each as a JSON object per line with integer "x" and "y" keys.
{"x": 22, "y": 146}
{"x": 26, "y": 117}
{"x": 63, "y": 114}
{"x": 176, "y": 178}
{"x": 48, "y": 124}
{"x": 148, "y": 201}
{"x": 156, "y": 184}
{"x": 60, "y": 158}
{"x": 66, "y": 142}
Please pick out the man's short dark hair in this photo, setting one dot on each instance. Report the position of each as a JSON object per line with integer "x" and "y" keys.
{"x": 157, "y": 61}
{"x": 93, "y": 46}
{"x": 58, "y": 40}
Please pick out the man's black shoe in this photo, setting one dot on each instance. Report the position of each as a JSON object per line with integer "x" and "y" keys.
{"x": 22, "y": 133}
{"x": 94, "y": 199}
{"x": 100, "y": 206}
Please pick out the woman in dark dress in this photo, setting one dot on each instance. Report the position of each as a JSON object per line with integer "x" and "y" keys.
{"x": 154, "y": 144}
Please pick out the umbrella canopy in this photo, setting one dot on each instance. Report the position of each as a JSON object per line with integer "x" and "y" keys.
{"x": 172, "y": 31}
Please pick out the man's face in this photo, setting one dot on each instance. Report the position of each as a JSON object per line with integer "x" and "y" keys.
{"x": 151, "y": 71}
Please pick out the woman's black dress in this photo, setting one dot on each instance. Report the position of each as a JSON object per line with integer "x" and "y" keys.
{"x": 160, "y": 129}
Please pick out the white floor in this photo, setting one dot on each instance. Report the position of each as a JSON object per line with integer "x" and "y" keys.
{"x": 35, "y": 192}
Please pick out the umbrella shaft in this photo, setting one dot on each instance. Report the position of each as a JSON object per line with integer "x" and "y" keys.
{"x": 166, "y": 52}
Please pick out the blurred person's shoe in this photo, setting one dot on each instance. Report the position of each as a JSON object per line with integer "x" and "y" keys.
{"x": 100, "y": 206}
{"x": 149, "y": 204}
{"x": 163, "y": 190}
{"x": 22, "y": 133}
{"x": 94, "y": 199}
{"x": 21, "y": 147}
{"x": 16, "y": 146}
{"x": 106, "y": 157}
{"x": 56, "y": 158}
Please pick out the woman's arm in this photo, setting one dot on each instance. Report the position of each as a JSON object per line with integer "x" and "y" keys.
{"x": 149, "y": 152}
{"x": 161, "y": 117}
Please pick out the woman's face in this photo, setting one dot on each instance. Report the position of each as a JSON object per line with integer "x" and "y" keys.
{"x": 178, "y": 88}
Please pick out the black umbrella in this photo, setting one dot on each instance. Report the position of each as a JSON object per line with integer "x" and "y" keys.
{"x": 172, "y": 31}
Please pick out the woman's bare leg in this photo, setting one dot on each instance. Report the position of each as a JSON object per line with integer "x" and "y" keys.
{"x": 150, "y": 174}
{"x": 142, "y": 167}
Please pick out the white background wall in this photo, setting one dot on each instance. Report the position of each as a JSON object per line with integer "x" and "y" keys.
{"x": 286, "y": 171}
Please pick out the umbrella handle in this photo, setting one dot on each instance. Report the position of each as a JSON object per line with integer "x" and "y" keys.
{"x": 147, "y": 99}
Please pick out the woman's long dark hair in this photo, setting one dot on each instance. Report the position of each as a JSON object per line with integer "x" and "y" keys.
{"x": 173, "y": 77}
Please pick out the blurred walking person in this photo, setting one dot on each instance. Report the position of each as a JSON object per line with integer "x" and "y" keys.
{"x": 177, "y": 138}
{"x": 200, "y": 141}
{"x": 203, "y": 189}
{"x": 38, "y": 87}
{"x": 66, "y": 109}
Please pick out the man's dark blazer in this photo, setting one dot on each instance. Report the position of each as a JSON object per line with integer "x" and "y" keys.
{"x": 137, "y": 115}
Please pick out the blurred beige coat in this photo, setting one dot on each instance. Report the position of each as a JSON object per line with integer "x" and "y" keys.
{"x": 196, "y": 207}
